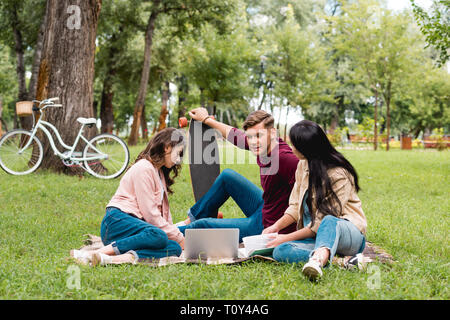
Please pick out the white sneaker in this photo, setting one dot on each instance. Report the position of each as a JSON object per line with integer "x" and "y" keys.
{"x": 312, "y": 269}
{"x": 101, "y": 259}
{"x": 104, "y": 259}
{"x": 83, "y": 257}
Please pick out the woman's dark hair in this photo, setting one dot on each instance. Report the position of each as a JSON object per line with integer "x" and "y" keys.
{"x": 156, "y": 150}
{"x": 311, "y": 141}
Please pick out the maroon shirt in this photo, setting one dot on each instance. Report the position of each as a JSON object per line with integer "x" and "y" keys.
{"x": 277, "y": 173}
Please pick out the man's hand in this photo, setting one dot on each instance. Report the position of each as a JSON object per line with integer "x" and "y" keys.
{"x": 199, "y": 114}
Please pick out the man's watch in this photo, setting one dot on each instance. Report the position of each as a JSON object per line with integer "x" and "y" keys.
{"x": 203, "y": 121}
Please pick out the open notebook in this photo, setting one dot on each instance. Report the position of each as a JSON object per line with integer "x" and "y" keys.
{"x": 256, "y": 245}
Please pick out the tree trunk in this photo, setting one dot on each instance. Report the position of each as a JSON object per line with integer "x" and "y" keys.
{"x": 211, "y": 108}
{"x": 164, "y": 110}
{"x": 335, "y": 118}
{"x": 106, "y": 105}
{"x": 25, "y": 122}
{"x": 417, "y": 131}
{"x": 375, "y": 126}
{"x": 137, "y": 114}
{"x": 279, "y": 121}
{"x": 388, "y": 113}
{"x": 32, "y": 86}
{"x": 202, "y": 98}
{"x": 95, "y": 108}
{"x": 106, "y": 109}
{"x": 271, "y": 102}
{"x": 285, "y": 125}
{"x": 144, "y": 127}
{"x": 67, "y": 70}
{"x": 18, "y": 47}
{"x": 183, "y": 91}
{"x": 264, "y": 95}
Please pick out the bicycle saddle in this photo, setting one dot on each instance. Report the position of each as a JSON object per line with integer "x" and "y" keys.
{"x": 87, "y": 120}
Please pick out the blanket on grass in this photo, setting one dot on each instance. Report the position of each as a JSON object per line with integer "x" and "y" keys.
{"x": 370, "y": 254}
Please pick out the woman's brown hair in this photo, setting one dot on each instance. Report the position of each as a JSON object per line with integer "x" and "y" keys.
{"x": 156, "y": 151}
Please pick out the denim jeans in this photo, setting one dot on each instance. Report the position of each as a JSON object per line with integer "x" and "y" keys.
{"x": 340, "y": 236}
{"x": 246, "y": 195}
{"x": 130, "y": 234}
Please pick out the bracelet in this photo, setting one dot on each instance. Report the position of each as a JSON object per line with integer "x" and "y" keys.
{"x": 203, "y": 121}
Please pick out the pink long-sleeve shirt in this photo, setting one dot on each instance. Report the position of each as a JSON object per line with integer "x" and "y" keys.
{"x": 142, "y": 192}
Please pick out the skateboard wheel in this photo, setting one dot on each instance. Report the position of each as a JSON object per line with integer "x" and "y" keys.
{"x": 182, "y": 122}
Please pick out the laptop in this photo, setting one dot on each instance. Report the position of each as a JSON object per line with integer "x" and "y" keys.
{"x": 211, "y": 243}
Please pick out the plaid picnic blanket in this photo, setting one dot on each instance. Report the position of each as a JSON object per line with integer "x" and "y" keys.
{"x": 370, "y": 254}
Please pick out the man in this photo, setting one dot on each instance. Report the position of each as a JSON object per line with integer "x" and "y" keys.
{"x": 277, "y": 165}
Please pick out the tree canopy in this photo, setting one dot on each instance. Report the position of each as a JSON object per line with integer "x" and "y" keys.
{"x": 334, "y": 62}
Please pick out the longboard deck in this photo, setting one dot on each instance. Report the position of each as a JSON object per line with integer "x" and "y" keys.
{"x": 204, "y": 161}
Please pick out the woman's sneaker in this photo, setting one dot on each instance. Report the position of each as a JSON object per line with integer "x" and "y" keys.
{"x": 312, "y": 269}
{"x": 81, "y": 256}
{"x": 101, "y": 259}
{"x": 355, "y": 262}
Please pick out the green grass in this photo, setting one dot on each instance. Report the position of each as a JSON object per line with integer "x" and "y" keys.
{"x": 405, "y": 197}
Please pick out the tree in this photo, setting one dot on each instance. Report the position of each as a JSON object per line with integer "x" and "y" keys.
{"x": 220, "y": 66}
{"x": 436, "y": 27}
{"x": 119, "y": 23}
{"x": 274, "y": 11}
{"x": 67, "y": 68}
{"x": 296, "y": 67}
{"x": 423, "y": 101}
{"x": 167, "y": 53}
{"x": 193, "y": 12}
{"x": 383, "y": 46}
{"x": 8, "y": 86}
{"x": 21, "y": 20}
{"x": 349, "y": 88}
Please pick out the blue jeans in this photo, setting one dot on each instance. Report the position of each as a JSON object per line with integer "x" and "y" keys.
{"x": 130, "y": 234}
{"x": 340, "y": 236}
{"x": 246, "y": 195}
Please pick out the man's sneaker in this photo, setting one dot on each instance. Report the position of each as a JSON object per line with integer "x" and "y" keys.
{"x": 312, "y": 269}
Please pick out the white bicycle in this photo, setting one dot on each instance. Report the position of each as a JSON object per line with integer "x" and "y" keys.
{"x": 105, "y": 156}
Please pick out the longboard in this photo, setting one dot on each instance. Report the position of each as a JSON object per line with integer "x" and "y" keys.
{"x": 204, "y": 161}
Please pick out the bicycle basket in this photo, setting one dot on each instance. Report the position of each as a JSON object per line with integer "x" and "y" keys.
{"x": 24, "y": 108}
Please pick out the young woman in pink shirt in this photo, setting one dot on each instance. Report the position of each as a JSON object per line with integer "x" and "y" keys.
{"x": 138, "y": 223}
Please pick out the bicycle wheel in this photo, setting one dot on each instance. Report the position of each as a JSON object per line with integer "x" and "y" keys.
{"x": 16, "y": 160}
{"x": 116, "y": 152}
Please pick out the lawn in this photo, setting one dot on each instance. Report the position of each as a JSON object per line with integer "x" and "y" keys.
{"x": 405, "y": 197}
